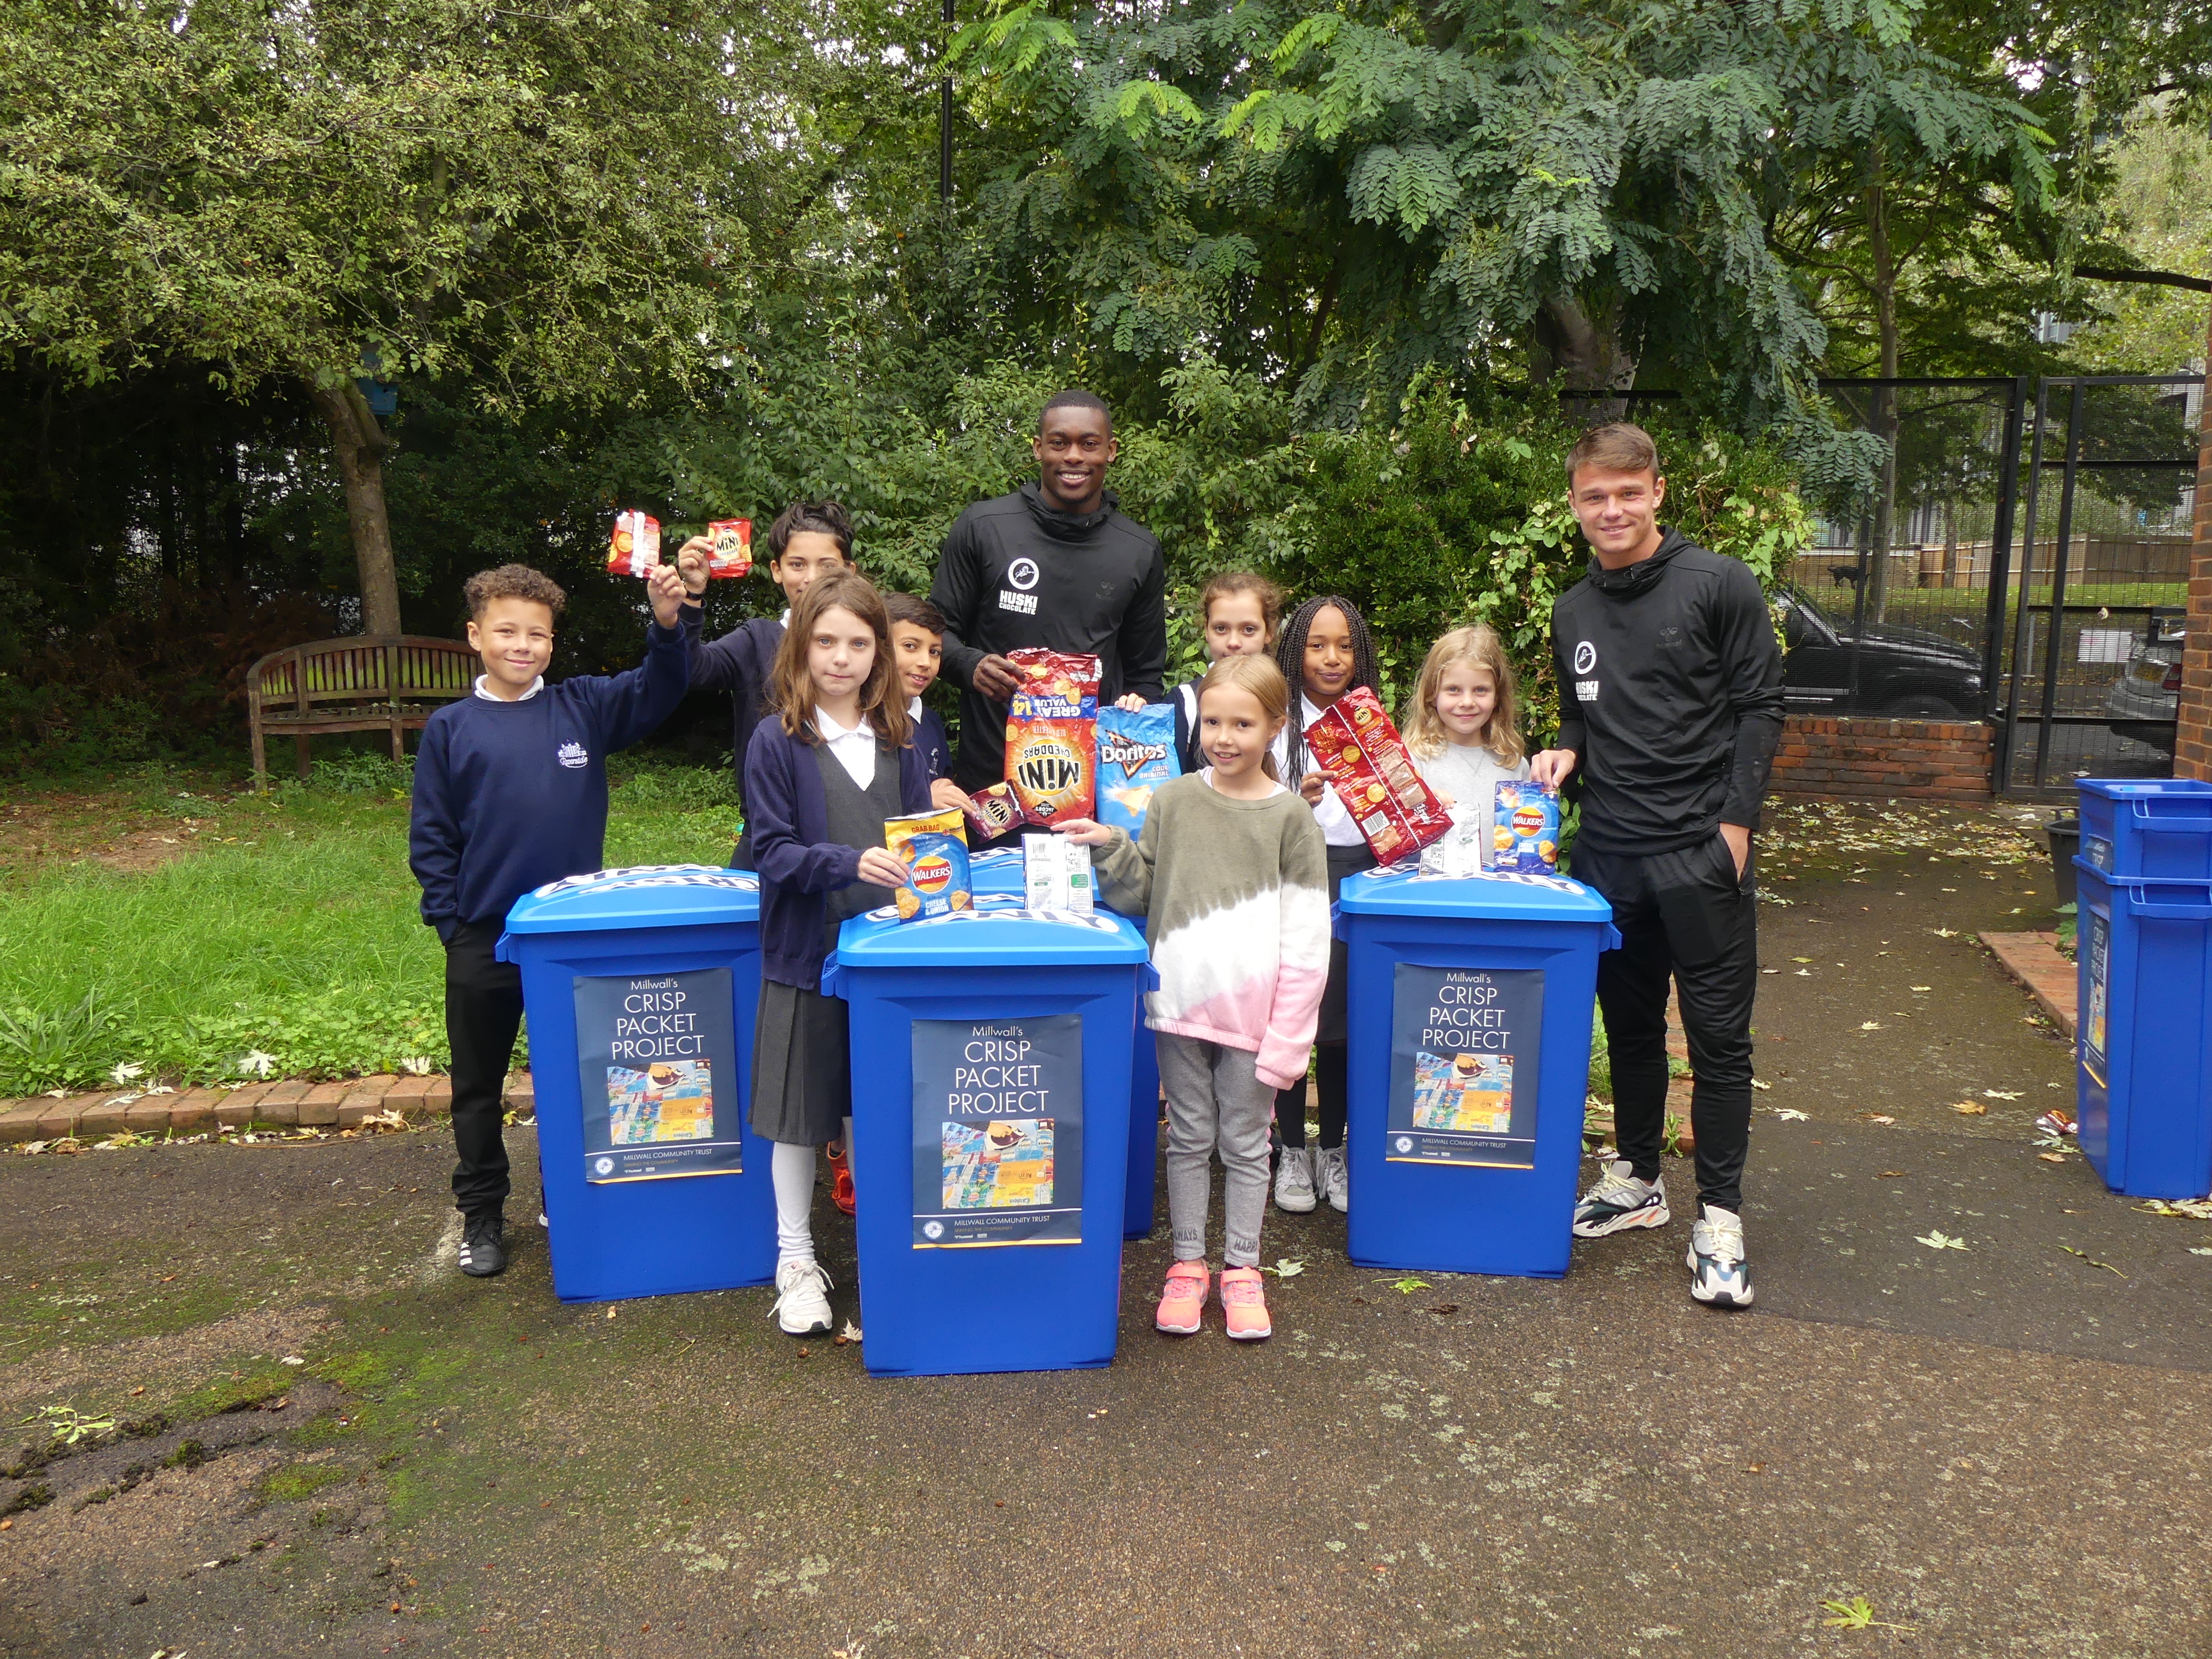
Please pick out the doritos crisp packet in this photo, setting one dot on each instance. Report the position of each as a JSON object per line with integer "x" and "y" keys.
{"x": 730, "y": 547}
{"x": 1373, "y": 776}
{"x": 992, "y": 810}
{"x": 634, "y": 547}
{"x": 1136, "y": 756}
{"x": 935, "y": 852}
{"x": 1052, "y": 735}
{"x": 1526, "y": 828}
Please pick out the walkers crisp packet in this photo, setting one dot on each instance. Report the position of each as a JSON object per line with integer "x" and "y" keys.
{"x": 634, "y": 547}
{"x": 1373, "y": 776}
{"x": 1526, "y": 835}
{"x": 1136, "y": 756}
{"x": 730, "y": 547}
{"x": 1052, "y": 736}
{"x": 935, "y": 852}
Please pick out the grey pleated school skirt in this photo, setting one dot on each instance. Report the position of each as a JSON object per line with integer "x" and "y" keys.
{"x": 802, "y": 1067}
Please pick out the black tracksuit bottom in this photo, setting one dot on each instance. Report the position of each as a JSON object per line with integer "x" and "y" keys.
{"x": 483, "y": 1011}
{"x": 1685, "y": 914}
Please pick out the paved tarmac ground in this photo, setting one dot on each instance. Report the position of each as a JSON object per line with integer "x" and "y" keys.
{"x": 2003, "y": 1449}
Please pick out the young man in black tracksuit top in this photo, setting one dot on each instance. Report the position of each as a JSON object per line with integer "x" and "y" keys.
{"x": 1055, "y": 564}
{"x": 1670, "y": 699}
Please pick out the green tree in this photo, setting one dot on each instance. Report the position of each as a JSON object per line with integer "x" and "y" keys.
{"x": 535, "y": 203}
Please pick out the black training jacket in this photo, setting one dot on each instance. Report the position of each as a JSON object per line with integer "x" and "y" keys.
{"x": 1670, "y": 695}
{"x": 1015, "y": 573}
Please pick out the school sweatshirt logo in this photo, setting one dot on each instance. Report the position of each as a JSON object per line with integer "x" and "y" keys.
{"x": 573, "y": 755}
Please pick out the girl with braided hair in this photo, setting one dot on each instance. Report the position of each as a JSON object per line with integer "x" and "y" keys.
{"x": 1325, "y": 649}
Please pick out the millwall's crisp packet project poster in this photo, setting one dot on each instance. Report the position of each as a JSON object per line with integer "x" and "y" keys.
{"x": 1464, "y": 1051}
{"x": 663, "y": 1096}
{"x": 998, "y": 1132}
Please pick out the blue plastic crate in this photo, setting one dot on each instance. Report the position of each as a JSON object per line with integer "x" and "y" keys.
{"x": 1459, "y": 989}
{"x": 632, "y": 1227}
{"x": 2143, "y": 1033}
{"x": 2158, "y": 827}
{"x": 955, "y": 1275}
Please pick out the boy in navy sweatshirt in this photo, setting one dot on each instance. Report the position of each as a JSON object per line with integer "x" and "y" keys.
{"x": 511, "y": 792}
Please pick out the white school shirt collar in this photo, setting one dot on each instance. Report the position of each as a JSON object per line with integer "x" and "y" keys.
{"x": 853, "y": 748}
{"x": 914, "y": 709}
{"x": 536, "y": 686}
{"x": 784, "y": 621}
{"x": 1337, "y": 827}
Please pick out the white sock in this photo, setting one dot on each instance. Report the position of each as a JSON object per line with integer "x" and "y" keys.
{"x": 792, "y": 1168}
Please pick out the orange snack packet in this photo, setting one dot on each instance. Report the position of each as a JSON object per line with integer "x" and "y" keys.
{"x": 1052, "y": 736}
{"x": 1372, "y": 773}
{"x": 634, "y": 548}
{"x": 730, "y": 547}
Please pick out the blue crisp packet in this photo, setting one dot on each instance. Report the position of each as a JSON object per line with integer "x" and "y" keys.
{"x": 1526, "y": 828}
{"x": 1136, "y": 756}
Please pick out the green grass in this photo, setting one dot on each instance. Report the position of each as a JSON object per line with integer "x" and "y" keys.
{"x": 288, "y": 926}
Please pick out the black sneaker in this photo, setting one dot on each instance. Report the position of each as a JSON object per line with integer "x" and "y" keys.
{"x": 483, "y": 1245}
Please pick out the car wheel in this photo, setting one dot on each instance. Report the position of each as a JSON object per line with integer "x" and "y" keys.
{"x": 1921, "y": 706}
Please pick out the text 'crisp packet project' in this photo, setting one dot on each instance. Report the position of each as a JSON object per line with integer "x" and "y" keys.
{"x": 1372, "y": 773}
{"x": 1052, "y": 736}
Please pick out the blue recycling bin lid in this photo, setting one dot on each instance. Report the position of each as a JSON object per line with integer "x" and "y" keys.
{"x": 997, "y": 932}
{"x": 1505, "y": 897}
{"x": 642, "y": 895}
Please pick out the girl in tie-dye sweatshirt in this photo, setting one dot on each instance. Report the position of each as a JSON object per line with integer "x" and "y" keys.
{"x": 1231, "y": 875}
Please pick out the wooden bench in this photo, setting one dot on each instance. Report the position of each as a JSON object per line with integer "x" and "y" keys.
{"x": 368, "y": 683}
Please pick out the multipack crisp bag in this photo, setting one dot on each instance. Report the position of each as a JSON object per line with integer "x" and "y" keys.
{"x": 1372, "y": 773}
{"x": 992, "y": 810}
{"x": 634, "y": 549}
{"x": 1052, "y": 735}
{"x": 1056, "y": 875}
{"x": 730, "y": 547}
{"x": 1136, "y": 756}
{"x": 1525, "y": 832}
{"x": 934, "y": 850}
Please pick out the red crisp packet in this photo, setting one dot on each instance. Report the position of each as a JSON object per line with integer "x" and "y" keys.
{"x": 634, "y": 548}
{"x": 730, "y": 547}
{"x": 992, "y": 810}
{"x": 1052, "y": 736}
{"x": 1373, "y": 776}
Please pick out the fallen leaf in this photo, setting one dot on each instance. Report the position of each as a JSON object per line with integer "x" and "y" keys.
{"x": 2196, "y": 1209}
{"x": 2200, "y": 1249}
{"x": 1919, "y": 988}
{"x": 1886, "y": 1175}
{"x": 1800, "y": 958}
{"x": 1869, "y": 1026}
{"x": 1946, "y": 933}
{"x": 1939, "y": 1241}
{"x": 2091, "y": 1259}
{"x": 1857, "y": 1613}
{"x": 1878, "y": 1117}
{"x": 2052, "y": 1157}
{"x": 1756, "y": 1084}
{"x": 1407, "y": 1286}
{"x": 1790, "y": 1114}
{"x": 850, "y": 1333}
{"x": 2001, "y": 1094}
{"x": 1969, "y": 1107}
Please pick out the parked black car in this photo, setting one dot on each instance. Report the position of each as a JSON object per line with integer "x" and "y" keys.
{"x": 1904, "y": 673}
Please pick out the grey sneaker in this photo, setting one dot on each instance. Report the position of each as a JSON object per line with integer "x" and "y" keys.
{"x": 1294, "y": 1182}
{"x": 1620, "y": 1201}
{"x": 1719, "y": 1276}
{"x": 1334, "y": 1178}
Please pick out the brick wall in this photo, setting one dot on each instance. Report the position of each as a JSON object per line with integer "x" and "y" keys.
{"x": 2192, "y": 753}
{"x": 1913, "y": 760}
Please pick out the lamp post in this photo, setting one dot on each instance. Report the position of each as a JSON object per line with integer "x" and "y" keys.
{"x": 945, "y": 120}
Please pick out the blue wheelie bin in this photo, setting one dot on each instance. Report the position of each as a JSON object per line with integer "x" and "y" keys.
{"x": 999, "y": 872}
{"x": 2143, "y": 1033}
{"x": 991, "y": 1058}
{"x": 1469, "y": 1012}
{"x": 640, "y": 987}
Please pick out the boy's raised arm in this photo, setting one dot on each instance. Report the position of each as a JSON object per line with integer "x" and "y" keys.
{"x": 433, "y": 834}
{"x": 633, "y": 703}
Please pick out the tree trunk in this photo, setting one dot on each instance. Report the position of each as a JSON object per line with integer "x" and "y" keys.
{"x": 360, "y": 444}
{"x": 1585, "y": 354}
{"x": 1882, "y": 421}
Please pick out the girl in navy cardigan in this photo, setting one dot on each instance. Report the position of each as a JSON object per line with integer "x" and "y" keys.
{"x": 834, "y": 759}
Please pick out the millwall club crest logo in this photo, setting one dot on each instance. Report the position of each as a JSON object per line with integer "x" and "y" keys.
{"x": 1585, "y": 657}
{"x": 574, "y": 756}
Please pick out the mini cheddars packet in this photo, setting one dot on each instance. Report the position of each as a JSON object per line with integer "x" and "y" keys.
{"x": 934, "y": 850}
{"x": 992, "y": 810}
{"x": 1526, "y": 828}
{"x": 730, "y": 547}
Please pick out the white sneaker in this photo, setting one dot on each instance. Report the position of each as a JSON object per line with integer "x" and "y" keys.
{"x": 1294, "y": 1182}
{"x": 1719, "y": 1276}
{"x": 1334, "y": 1177}
{"x": 1620, "y": 1201}
{"x": 802, "y": 1300}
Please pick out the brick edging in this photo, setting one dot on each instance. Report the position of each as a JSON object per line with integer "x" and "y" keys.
{"x": 289, "y": 1102}
{"x": 2034, "y": 960}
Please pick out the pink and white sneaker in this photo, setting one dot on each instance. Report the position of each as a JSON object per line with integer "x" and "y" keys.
{"x": 1244, "y": 1304}
{"x": 1183, "y": 1304}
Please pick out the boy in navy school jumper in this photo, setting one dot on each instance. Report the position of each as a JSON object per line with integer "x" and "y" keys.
{"x": 918, "y": 652}
{"x": 808, "y": 539}
{"x": 511, "y": 792}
